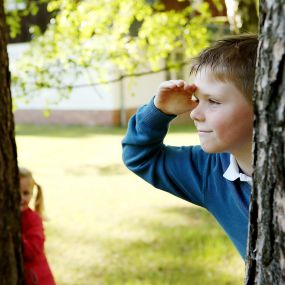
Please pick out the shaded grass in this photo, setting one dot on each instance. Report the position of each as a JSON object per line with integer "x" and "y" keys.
{"x": 83, "y": 131}
{"x": 171, "y": 254}
{"x": 106, "y": 226}
{"x": 65, "y": 131}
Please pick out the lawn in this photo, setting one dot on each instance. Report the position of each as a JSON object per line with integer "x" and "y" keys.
{"x": 108, "y": 227}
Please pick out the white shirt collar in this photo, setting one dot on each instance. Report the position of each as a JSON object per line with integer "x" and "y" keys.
{"x": 232, "y": 173}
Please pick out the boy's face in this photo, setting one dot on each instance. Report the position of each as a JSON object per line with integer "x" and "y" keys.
{"x": 223, "y": 116}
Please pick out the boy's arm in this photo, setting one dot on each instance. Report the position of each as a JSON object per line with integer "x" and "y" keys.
{"x": 173, "y": 169}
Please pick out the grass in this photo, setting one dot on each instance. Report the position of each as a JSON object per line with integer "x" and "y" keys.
{"x": 108, "y": 227}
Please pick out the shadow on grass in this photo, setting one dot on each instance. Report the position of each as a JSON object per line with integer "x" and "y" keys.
{"x": 183, "y": 128}
{"x": 66, "y": 131}
{"x": 91, "y": 169}
{"x": 83, "y": 131}
{"x": 192, "y": 253}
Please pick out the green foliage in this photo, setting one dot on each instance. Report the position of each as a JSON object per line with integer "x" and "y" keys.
{"x": 98, "y": 37}
{"x": 13, "y": 20}
{"x": 15, "y": 9}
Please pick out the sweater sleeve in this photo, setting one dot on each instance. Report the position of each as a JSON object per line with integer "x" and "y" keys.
{"x": 33, "y": 239}
{"x": 172, "y": 169}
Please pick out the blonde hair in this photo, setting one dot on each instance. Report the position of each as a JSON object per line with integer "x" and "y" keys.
{"x": 39, "y": 200}
{"x": 231, "y": 59}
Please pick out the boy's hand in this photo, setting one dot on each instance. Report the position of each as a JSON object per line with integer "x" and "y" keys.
{"x": 175, "y": 97}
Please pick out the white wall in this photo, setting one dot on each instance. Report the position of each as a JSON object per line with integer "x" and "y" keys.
{"x": 83, "y": 98}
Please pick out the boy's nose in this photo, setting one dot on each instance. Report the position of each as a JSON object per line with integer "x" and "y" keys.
{"x": 196, "y": 114}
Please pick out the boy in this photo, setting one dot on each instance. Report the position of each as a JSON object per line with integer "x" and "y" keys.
{"x": 217, "y": 174}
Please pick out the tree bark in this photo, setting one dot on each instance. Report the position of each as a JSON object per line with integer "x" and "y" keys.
{"x": 266, "y": 245}
{"x": 11, "y": 269}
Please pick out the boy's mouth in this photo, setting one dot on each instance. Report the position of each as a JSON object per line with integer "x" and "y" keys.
{"x": 204, "y": 131}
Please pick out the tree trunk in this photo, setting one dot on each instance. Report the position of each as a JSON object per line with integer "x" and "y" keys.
{"x": 266, "y": 245}
{"x": 11, "y": 270}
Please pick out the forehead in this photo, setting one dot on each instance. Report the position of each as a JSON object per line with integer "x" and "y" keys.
{"x": 26, "y": 183}
{"x": 209, "y": 84}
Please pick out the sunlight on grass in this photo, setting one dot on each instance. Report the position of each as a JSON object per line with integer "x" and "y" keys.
{"x": 108, "y": 227}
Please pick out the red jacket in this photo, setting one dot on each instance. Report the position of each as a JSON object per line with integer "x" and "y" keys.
{"x": 37, "y": 271}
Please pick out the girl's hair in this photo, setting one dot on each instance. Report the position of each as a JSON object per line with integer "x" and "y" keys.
{"x": 39, "y": 201}
{"x": 231, "y": 59}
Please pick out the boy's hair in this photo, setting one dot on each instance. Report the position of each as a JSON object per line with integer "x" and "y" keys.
{"x": 39, "y": 201}
{"x": 231, "y": 59}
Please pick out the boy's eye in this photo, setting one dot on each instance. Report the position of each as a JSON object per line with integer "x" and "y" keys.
{"x": 211, "y": 101}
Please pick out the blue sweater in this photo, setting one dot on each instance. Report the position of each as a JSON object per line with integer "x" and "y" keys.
{"x": 187, "y": 172}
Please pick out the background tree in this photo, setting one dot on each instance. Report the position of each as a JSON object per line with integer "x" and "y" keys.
{"x": 248, "y": 10}
{"x": 243, "y": 15}
{"x": 11, "y": 270}
{"x": 266, "y": 249}
{"x": 102, "y": 39}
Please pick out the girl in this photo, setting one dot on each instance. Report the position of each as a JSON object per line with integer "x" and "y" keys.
{"x": 37, "y": 270}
